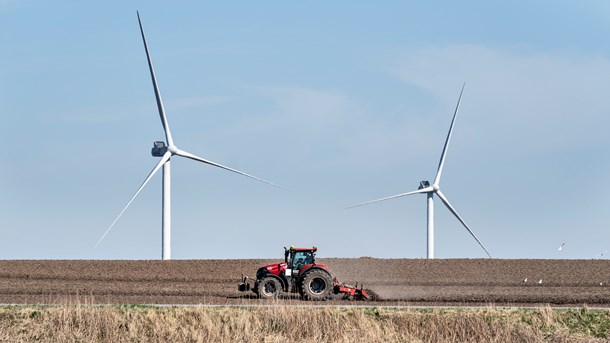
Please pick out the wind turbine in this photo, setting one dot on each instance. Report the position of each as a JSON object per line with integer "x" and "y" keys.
{"x": 166, "y": 151}
{"x": 430, "y": 190}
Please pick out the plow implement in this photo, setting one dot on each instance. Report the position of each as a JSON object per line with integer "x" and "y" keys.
{"x": 351, "y": 292}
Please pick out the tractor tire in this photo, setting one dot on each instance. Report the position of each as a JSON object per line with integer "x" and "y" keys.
{"x": 269, "y": 288}
{"x": 317, "y": 285}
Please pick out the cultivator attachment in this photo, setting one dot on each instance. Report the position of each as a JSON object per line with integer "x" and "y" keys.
{"x": 350, "y": 292}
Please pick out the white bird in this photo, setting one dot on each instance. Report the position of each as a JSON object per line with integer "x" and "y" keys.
{"x": 602, "y": 254}
{"x": 601, "y": 283}
{"x": 524, "y": 280}
{"x": 561, "y": 247}
{"x": 540, "y": 282}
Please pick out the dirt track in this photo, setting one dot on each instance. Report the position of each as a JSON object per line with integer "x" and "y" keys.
{"x": 397, "y": 281}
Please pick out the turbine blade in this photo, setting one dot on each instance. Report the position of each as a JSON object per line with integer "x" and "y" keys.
{"x": 441, "y": 163}
{"x": 197, "y": 158}
{"x": 423, "y": 190}
{"x": 168, "y": 134}
{"x": 164, "y": 159}
{"x": 446, "y": 202}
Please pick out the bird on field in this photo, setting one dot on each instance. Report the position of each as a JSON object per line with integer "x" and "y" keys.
{"x": 561, "y": 247}
{"x": 601, "y": 283}
{"x": 540, "y": 282}
{"x": 524, "y": 280}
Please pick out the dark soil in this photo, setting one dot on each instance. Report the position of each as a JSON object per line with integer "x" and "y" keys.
{"x": 394, "y": 281}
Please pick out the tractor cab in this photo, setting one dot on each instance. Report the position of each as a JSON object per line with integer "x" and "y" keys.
{"x": 297, "y": 258}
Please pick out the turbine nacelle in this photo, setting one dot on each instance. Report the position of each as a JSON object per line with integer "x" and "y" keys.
{"x": 159, "y": 149}
{"x": 423, "y": 185}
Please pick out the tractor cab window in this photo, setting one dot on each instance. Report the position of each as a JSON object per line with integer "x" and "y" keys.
{"x": 301, "y": 258}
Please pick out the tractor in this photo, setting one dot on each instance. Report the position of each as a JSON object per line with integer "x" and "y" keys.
{"x": 299, "y": 273}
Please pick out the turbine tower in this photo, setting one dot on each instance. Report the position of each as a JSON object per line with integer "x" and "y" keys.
{"x": 430, "y": 190}
{"x": 166, "y": 151}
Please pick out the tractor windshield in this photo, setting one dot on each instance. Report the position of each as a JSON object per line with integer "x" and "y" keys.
{"x": 301, "y": 258}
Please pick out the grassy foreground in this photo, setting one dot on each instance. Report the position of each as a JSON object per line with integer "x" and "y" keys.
{"x": 86, "y": 323}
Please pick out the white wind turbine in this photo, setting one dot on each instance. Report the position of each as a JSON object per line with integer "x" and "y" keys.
{"x": 166, "y": 151}
{"x": 430, "y": 190}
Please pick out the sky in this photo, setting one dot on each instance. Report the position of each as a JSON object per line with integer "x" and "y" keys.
{"x": 339, "y": 102}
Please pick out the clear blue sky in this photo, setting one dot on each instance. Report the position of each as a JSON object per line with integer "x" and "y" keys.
{"x": 341, "y": 102}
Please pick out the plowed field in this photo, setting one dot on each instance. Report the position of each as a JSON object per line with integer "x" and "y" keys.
{"x": 396, "y": 281}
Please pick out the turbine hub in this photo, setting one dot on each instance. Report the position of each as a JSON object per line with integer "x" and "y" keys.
{"x": 436, "y": 187}
{"x": 173, "y": 149}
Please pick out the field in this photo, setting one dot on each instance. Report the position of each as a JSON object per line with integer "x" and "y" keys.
{"x": 113, "y": 323}
{"x": 396, "y": 281}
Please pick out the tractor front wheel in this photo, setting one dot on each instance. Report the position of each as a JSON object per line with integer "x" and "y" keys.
{"x": 268, "y": 288}
{"x": 317, "y": 285}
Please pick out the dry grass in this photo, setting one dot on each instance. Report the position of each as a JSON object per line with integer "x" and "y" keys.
{"x": 86, "y": 323}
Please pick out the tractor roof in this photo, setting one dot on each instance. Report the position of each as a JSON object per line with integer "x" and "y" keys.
{"x": 314, "y": 249}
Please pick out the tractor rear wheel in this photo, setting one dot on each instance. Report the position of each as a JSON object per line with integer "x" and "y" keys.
{"x": 268, "y": 288}
{"x": 317, "y": 285}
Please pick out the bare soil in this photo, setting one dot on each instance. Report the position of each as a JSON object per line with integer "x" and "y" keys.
{"x": 396, "y": 281}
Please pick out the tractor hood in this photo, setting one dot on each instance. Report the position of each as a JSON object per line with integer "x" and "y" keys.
{"x": 275, "y": 268}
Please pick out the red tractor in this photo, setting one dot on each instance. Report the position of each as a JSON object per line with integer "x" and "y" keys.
{"x": 299, "y": 273}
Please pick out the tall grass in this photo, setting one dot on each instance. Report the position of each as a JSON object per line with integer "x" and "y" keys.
{"x": 87, "y": 323}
